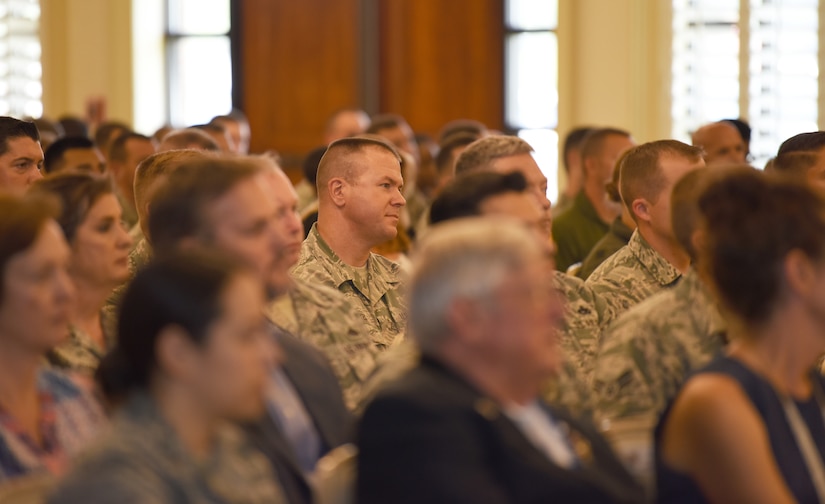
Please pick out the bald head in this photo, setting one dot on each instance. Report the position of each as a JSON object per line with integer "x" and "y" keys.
{"x": 722, "y": 143}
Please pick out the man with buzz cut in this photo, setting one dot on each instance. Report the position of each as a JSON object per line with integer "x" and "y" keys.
{"x": 653, "y": 259}
{"x": 21, "y": 157}
{"x": 359, "y": 204}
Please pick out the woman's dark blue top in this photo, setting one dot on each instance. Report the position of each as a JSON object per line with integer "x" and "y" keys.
{"x": 675, "y": 487}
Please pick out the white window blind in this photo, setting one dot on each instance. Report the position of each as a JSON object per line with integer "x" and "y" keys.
{"x": 21, "y": 88}
{"x": 774, "y": 43}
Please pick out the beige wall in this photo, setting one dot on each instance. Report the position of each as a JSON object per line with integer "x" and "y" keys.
{"x": 87, "y": 53}
{"x": 614, "y": 69}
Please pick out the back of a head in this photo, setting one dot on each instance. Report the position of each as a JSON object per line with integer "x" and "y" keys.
{"x": 77, "y": 192}
{"x": 181, "y": 290}
{"x": 21, "y": 220}
{"x": 803, "y": 142}
{"x": 107, "y": 132}
{"x": 684, "y": 203}
{"x": 339, "y": 159}
{"x": 385, "y": 121}
{"x": 309, "y": 168}
{"x": 793, "y": 163}
{"x": 445, "y": 160}
{"x": 591, "y": 144}
{"x": 158, "y": 165}
{"x": 118, "y": 151}
{"x": 179, "y": 206}
{"x": 574, "y": 140}
{"x": 53, "y": 157}
{"x": 462, "y": 127}
{"x": 612, "y": 188}
{"x": 641, "y": 174}
{"x": 480, "y": 154}
{"x": 752, "y": 221}
{"x": 15, "y": 128}
{"x": 74, "y": 126}
{"x": 464, "y": 196}
{"x": 462, "y": 259}
{"x": 189, "y": 138}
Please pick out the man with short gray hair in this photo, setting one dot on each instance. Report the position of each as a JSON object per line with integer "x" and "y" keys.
{"x": 468, "y": 421}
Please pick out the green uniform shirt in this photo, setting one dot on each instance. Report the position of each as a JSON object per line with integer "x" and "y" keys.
{"x": 576, "y": 231}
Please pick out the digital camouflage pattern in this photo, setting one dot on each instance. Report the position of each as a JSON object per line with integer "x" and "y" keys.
{"x": 631, "y": 275}
{"x": 579, "y": 342}
{"x": 646, "y": 355}
{"x": 142, "y": 459}
{"x": 374, "y": 291}
{"x": 326, "y": 319}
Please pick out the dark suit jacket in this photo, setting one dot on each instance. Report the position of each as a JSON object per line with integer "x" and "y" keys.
{"x": 310, "y": 373}
{"x": 430, "y": 437}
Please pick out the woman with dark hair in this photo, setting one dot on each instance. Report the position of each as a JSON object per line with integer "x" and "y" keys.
{"x": 45, "y": 418}
{"x": 192, "y": 356}
{"x": 91, "y": 220}
{"x": 750, "y": 426}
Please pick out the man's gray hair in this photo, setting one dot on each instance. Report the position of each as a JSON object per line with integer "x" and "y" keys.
{"x": 462, "y": 259}
{"x": 480, "y": 154}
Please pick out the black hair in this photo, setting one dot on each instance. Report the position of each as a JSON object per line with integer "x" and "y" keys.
{"x": 803, "y": 142}
{"x": 182, "y": 290}
{"x": 15, "y": 128}
{"x": 464, "y": 195}
{"x": 310, "y": 165}
{"x": 53, "y": 156}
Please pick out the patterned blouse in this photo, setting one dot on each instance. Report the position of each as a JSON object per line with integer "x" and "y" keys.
{"x": 80, "y": 353}
{"x": 69, "y": 419}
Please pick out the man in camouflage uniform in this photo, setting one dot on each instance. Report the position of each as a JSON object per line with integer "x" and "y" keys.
{"x": 315, "y": 313}
{"x": 653, "y": 259}
{"x": 647, "y": 353}
{"x": 584, "y": 310}
{"x": 359, "y": 205}
{"x": 229, "y": 204}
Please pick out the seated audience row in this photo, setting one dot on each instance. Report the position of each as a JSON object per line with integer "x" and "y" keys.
{"x": 171, "y": 333}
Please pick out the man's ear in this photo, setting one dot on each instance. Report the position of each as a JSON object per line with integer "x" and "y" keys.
{"x": 800, "y": 274}
{"x": 338, "y": 189}
{"x": 641, "y": 209}
{"x": 176, "y": 353}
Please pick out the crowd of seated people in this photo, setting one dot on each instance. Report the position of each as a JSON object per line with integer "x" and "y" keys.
{"x": 413, "y": 320}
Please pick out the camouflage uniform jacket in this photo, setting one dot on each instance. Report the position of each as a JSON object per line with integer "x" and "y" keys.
{"x": 374, "y": 292}
{"x": 579, "y": 342}
{"x": 142, "y": 459}
{"x": 80, "y": 353}
{"x": 648, "y": 352}
{"x": 324, "y": 318}
{"x": 140, "y": 256}
{"x": 631, "y": 275}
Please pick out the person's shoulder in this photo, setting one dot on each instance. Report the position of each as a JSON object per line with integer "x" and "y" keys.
{"x": 618, "y": 265}
{"x": 111, "y": 474}
{"x": 424, "y": 388}
{"x": 318, "y": 294}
